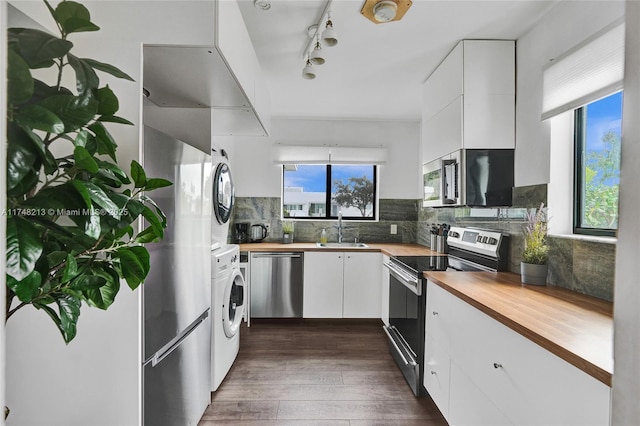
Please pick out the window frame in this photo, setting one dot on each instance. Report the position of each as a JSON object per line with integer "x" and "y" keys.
{"x": 328, "y": 187}
{"x": 579, "y": 141}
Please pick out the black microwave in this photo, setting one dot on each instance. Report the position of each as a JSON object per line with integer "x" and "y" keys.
{"x": 470, "y": 177}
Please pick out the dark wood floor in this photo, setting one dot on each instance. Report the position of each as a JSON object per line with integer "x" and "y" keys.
{"x": 316, "y": 372}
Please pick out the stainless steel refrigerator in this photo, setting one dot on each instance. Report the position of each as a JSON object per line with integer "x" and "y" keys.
{"x": 177, "y": 292}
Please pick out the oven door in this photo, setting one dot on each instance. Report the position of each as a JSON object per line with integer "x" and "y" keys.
{"x": 406, "y": 326}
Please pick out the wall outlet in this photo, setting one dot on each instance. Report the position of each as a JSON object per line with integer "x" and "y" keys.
{"x": 394, "y": 229}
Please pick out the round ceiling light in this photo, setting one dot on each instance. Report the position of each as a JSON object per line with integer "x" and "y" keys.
{"x": 385, "y": 11}
{"x": 262, "y": 4}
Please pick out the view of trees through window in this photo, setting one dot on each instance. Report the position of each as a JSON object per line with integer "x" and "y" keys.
{"x": 322, "y": 191}
{"x": 598, "y": 130}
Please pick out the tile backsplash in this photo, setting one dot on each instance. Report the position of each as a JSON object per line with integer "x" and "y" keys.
{"x": 583, "y": 266}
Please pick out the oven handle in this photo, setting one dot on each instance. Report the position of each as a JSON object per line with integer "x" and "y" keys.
{"x": 412, "y": 283}
{"x": 393, "y": 341}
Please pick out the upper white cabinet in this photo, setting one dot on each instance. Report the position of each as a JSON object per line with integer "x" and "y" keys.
{"x": 342, "y": 285}
{"x": 469, "y": 100}
{"x": 225, "y": 77}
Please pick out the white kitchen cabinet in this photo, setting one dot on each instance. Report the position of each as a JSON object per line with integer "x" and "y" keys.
{"x": 469, "y": 100}
{"x": 384, "y": 308}
{"x": 469, "y": 405}
{"x": 341, "y": 285}
{"x": 362, "y": 292}
{"x": 498, "y": 376}
{"x": 323, "y": 284}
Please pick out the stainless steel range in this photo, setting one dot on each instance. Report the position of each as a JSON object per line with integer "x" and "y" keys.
{"x": 470, "y": 250}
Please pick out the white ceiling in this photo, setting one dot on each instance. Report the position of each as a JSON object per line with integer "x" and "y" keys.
{"x": 375, "y": 71}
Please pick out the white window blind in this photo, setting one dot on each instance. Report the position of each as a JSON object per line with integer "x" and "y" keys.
{"x": 305, "y": 154}
{"x": 589, "y": 71}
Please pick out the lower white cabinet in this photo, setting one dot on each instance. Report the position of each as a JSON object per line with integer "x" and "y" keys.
{"x": 497, "y": 376}
{"x": 342, "y": 285}
{"x": 323, "y": 284}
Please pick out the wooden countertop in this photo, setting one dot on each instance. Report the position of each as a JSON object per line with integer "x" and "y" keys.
{"x": 388, "y": 249}
{"x": 575, "y": 327}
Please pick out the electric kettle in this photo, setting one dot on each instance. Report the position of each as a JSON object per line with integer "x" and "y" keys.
{"x": 258, "y": 233}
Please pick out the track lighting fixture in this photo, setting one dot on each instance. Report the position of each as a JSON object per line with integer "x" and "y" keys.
{"x": 313, "y": 53}
{"x": 317, "y": 57}
{"x": 329, "y": 35}
{"x": 309, "y": 71}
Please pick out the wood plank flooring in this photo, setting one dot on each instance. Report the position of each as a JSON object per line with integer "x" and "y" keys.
{"x": 315, "y": 373}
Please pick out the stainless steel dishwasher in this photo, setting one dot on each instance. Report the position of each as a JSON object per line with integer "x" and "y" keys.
{"x": 276, "y": 285}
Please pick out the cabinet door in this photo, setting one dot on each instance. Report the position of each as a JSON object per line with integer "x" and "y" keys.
{"x": 443, "y": 132}
{"x": 436, "y": 374}
{"x": 323, "y": 277}
{"x": 384, "y": 312}
{"x": 489, "y": 94}
{"x": 468, "y": 406}
{"x": 362, "y": 285}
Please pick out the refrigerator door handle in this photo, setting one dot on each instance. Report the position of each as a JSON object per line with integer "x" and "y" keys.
{"x": 166, "y": 350}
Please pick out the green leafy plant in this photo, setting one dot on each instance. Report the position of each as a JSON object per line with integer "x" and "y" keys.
{"x": 535, "y": 237}
{"x": 287, "y": 227}
{"x": 70, "y": 218}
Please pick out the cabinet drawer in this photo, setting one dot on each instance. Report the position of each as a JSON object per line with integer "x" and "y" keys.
{"x": 436, "y": 374}
{"x": 438, "y": 315}
{"x": 529, "y": 384}
{"x": 469, "y": 405}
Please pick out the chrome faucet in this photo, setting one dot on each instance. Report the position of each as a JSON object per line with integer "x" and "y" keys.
{"x": 340, "y": 226}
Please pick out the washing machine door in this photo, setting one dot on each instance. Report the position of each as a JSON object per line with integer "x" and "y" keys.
{"x": 233, "y": 304}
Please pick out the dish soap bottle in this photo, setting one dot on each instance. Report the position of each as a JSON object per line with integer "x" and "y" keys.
{"x": 323, "y": 237}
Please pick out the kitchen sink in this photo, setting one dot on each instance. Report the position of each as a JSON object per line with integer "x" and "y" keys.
{"x": 342, "y": 245}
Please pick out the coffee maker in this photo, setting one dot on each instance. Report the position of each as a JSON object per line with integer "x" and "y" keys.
{"x": 241, "y": 233}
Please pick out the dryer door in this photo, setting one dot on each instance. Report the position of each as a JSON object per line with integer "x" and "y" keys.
{"x": 223, "y": 193}
{"x": 233, "y": 303}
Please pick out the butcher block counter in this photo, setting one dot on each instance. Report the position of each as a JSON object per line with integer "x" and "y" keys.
{"x": 575, "y": 327}
{"x": 388, "y": 249}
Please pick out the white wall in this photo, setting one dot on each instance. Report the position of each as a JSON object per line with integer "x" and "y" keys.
{"x": 256, "y": 175}
{"x": 626, "y": 382}
{"x": 567, "y": 24}
{"x": 96, "y": 378}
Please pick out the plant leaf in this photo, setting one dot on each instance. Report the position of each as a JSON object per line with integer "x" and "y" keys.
{"x": 70, "y": 269}
{"x": 74, "y": 111}
{"x": 46, "y": 157}
{"x": 148, "y": 235}
{"x": 23, "y": 247}
{"x": 37, "y": 117}
{"x": 88, "y": 282}
{"x": 138, "y": 175}
{"x": 104, "y": 296}
{"x": 105, "y": 143}
{"x": 69, "y": 307}
{"x": 84, "y": 160}
{"x": 132, "y": 269}
{"x": 154, "y": 222}
{"x": 27, "y": 288}
{"x": 74, "y": 17}
{"x": 92, "y": 227}
{"x": 39, "y": 48}
{"x": 19, "y": 80}
{"x": 109, "y": 69}
{"x": 20, "y": 156}
{"x": 86, "y": 77}
{"x": 81, "y": 138}
{"x": 99, "y": 197}
{"x": 114, "y": 119}
{"x": 143, "y": 256}
{"x": 107, "y": 101}
{"x": 155, "y": 183}
{"x": 82, "y": 190}
{"x": 116, "y": 170}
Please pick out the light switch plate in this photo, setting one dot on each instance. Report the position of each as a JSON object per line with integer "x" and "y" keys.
{"x": 394, "y": 229}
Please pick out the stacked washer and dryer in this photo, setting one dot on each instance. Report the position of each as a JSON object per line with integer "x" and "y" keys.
{"x": 227, "y": 282}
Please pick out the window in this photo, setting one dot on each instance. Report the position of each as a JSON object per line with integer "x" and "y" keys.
{"x": 597, "y": 166}
{"x": 321, "y": 191}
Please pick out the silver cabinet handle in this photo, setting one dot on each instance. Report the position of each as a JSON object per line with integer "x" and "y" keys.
{"x": 496, "y": 365}
{"x": 433, "y": 373}
{"x": 435, "y": 313}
